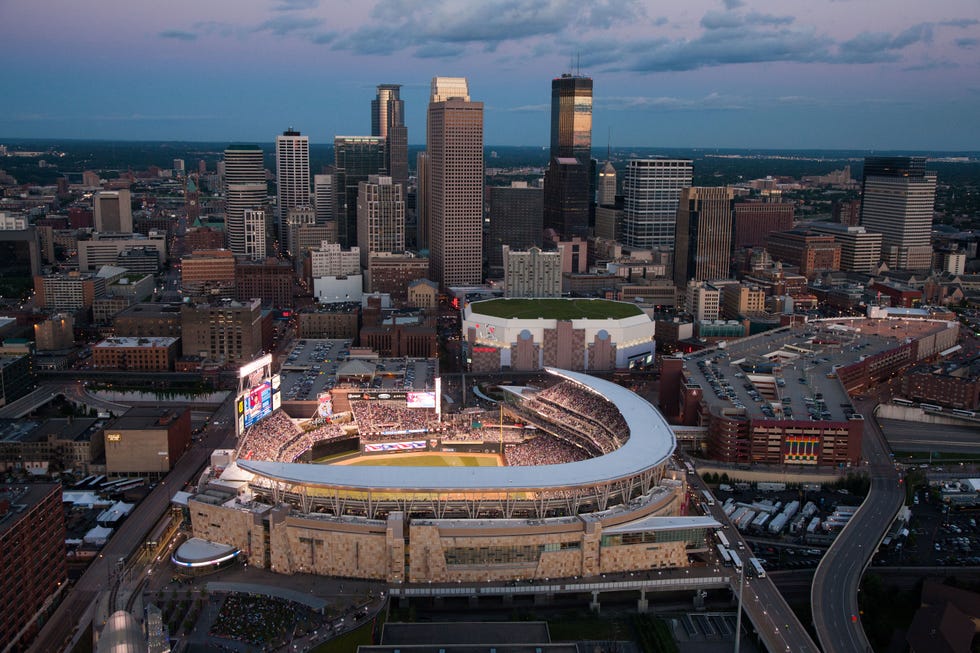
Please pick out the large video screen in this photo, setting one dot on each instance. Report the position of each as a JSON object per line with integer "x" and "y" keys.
{"x": 420, "y": 399}
{"x": 258, "y": 403}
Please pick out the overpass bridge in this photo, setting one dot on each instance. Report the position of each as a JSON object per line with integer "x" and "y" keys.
{"x": 72, "y": 391}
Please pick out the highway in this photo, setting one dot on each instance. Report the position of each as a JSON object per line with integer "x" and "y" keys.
{"x": 70, "y": 618}
{"x": 834, "y": 596}
{"x": 765, "y": 607}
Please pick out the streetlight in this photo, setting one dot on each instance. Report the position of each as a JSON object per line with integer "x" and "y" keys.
{"x": 738, "y": 619}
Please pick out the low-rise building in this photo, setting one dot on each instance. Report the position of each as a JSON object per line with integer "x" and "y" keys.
{"x": 336, "y": 321}
{"x": 153, "y": 354}
{"x": 147, "y": 440}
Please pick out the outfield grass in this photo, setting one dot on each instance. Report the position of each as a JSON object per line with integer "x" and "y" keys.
{"x": 428, "y": 460}
{"x": 555, "y": 309}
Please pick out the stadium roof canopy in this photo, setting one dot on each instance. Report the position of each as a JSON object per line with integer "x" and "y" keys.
{"x": 650, "y": 443}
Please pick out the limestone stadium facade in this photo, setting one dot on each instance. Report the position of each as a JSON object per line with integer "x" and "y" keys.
{"x": 608, "y": 502}
{"x": 577, "y": 334}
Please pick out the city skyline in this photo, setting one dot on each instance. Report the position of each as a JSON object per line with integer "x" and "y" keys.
{"x": 853, "y": 74}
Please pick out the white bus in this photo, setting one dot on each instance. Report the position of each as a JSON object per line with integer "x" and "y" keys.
{"x": 735, "y": 559}
{"x": 723, "y": 554}
{"x": 756, "y": 566}
{"x": 721, "y": 538}
{"x": 902, "y": 402}
{"x": 708, "y": 498}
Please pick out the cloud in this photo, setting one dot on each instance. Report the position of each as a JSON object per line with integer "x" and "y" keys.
{"x": 282, "y": 25}
{"x": 932, "y": 65}
{"x": 712, "y": 101}
{"x": 733, "y": 4}
{"x": 529, "y": 108}
{"x": 967, "y": 42}
{"x": 868, "y": 47}
{"x": 324, "y": 38}
{"x": 960, "y": 22}
{"x": 439, "y": 51}
{"x": 404, "y": 24}
{"x": 177, "y": 34}
{"x": 723, "y": 47}
{"x": 296, "y": 5}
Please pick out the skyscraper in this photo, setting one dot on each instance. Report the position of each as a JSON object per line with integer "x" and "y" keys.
{"x": 454, "y": 143}
{"x": 421, "y": 200}
{"x": 898, "y": 195}
{"x": 324, "y": 197}
{"x": 380, "y": 217}
{"x": 606, "y": 195}
{"x": 357, "y": 158}
{"x": 568, "y": 183}
{"x": 651, "y": 191}
{"x": 388, "y": 121}
{"x": 515, "y": 220}
{"x": 703, "y": 250}
{"x": 245, "y": 188}
{"x": 292, "y": 176}
{"x": 255, "y": 229}
{"x": 113, "y": 211}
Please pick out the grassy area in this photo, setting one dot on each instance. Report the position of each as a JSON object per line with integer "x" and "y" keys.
{"x": 429, "y": 460}
{"x": 348, "y": 641}
{"x": 577, "y": 627}
{"x": 555, "y": 309}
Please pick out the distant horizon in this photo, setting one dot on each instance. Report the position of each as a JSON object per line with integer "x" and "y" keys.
{"x": 270, "y": 144}
{"x": 864, "y": 75}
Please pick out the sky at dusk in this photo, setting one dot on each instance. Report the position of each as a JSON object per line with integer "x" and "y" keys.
{"x": 863, "y": 74}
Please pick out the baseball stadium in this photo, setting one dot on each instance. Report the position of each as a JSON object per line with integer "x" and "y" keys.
{"x": 569, "y": 479}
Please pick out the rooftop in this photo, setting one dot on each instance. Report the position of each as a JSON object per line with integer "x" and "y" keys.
{"x": 146, "y": 341}
{"x": 22, "y": 498}
{"x": 555, "y": 309}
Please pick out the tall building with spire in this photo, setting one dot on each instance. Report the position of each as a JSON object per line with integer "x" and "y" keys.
{"x": 898, "y": 197}
{"x": 606, "y": 195}
{"x": 245, "y": 188}
{"x": 454, "y": 145}
{"x": 292, "y": 176}
{"x": 569, "y": 188}
{"x": 388, "y": 121}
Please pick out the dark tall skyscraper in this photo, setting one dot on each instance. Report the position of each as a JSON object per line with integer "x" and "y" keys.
{"x": 515, "y": 220}
{"x": 568, "y": 184}
{"x": 356, "y": 159}
{"x": 897, "y": 198}
{"x": 703, "y": 249}
{"x": 388, "y": 121}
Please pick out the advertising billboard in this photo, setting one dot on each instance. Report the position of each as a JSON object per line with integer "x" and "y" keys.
{"x": 420, "y": 399}
{"x": 324, "y": 407}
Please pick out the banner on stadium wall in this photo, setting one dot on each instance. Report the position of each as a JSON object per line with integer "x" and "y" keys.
{"x": 395, "y": 446}
{"x": 405, "y": 432}
{"x": 802, "y": 449}
{"x": 324, "y": 405}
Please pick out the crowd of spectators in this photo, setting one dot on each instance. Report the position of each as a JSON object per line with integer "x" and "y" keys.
{"x": 374, "y": 417}
{"x": 254, "y": 620}
{"x": 264, "y": 439}
{"x": 305, "y": 441}
{"x": 582, "y": 410}
{"x": 544, "y": 449}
